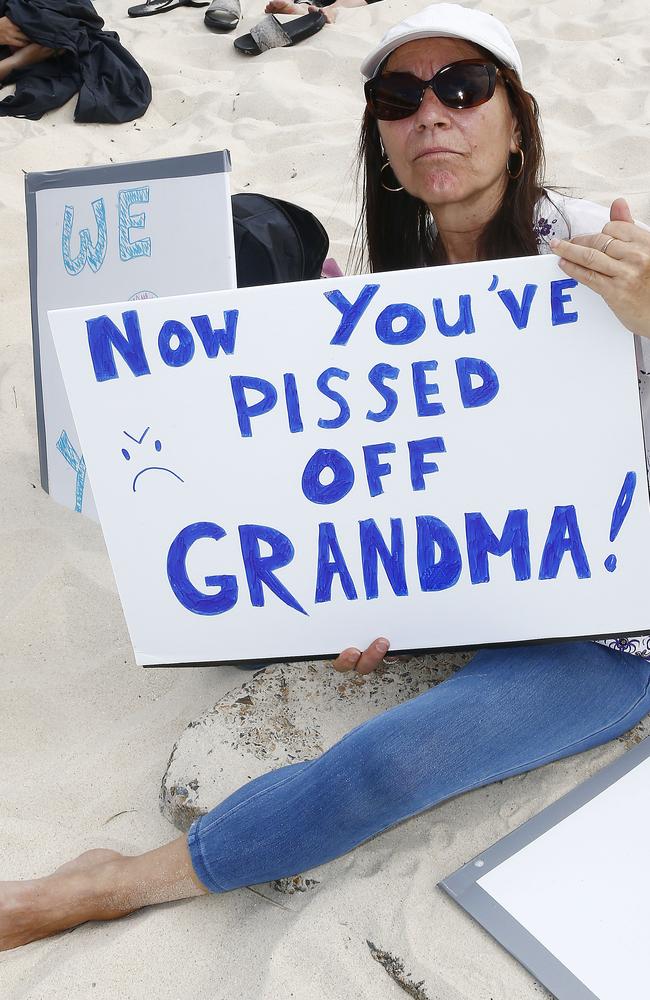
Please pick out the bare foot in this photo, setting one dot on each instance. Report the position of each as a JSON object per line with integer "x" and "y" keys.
{"x": 40, "y": 907}
{"x": 287, "y": 7}
{"x": 98, "y": 885}
{"x": 88, "y": 859}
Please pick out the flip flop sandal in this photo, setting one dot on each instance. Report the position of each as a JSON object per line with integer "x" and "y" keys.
{"x": 150, "y": 7}
{"x": 271, "y": 34}
{"x": 223, "y": 15}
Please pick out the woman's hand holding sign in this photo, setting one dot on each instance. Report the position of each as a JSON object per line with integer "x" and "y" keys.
{"x": 616, "y": 264}
{"x": 363, "y": 662}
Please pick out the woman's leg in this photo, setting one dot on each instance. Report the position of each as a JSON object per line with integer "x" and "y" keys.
{"x": 508, "y": 711}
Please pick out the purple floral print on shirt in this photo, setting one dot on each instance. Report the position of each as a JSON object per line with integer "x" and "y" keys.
{"x": 638, "y": 645}
{"x": 543, "y": 228}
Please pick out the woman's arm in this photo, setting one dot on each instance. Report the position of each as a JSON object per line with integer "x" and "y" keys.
{"x": 616, "y": 264}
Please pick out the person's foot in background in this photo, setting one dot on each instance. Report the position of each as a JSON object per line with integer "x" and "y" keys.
{"x": 287, "y": 7}
{"x": 329, "y": 9}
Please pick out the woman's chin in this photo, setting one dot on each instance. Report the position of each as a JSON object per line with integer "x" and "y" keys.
{"x": 440, "y": 188}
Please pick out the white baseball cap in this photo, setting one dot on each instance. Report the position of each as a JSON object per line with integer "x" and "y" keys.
{"x": 447, "y": 20}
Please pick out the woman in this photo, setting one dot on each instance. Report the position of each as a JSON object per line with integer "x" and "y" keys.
{"x": 460, "y": 138}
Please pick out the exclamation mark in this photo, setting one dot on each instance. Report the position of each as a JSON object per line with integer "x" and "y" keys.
{"x": 620, "y": 513}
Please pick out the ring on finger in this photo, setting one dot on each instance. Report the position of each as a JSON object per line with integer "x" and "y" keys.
{"x": 611, "y": 239}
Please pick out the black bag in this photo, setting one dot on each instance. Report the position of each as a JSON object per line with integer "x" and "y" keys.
{"x": 276, "y": 241}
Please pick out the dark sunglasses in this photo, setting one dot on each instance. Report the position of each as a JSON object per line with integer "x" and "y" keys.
{"x": 459, "y": 85}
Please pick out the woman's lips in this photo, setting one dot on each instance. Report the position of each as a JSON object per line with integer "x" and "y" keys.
{"x": 437, "y": 152}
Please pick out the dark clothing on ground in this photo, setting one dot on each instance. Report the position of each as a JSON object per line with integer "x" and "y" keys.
{"x": 112, "y": 86}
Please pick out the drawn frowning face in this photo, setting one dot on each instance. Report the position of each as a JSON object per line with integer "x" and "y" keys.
{"x": 149, "y": 468}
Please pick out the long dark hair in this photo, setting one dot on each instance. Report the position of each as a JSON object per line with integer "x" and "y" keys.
{"x": 396, "y": 230}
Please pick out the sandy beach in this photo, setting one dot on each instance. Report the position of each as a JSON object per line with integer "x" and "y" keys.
{"x": 85, "y": 734}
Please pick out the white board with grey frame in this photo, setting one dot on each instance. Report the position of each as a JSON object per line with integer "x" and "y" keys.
{"x": 116, "y": 232}
{"x": 567, "y": 892}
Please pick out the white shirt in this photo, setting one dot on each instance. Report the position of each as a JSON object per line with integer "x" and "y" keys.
{"x": 562, "y": 217}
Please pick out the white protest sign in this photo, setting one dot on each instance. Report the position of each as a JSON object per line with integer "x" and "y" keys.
{"x": 439, "y": 456}
{"x": 107, "y": 234}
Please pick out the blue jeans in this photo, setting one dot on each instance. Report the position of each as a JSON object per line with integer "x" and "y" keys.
{"x": 507, "y": 711}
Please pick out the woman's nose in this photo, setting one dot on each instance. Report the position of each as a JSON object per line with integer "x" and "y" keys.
{"x": 432, "y": 111}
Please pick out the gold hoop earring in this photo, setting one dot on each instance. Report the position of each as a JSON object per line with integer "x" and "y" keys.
{"x": 394, "y": 190}
{"x": 511, "y": 175}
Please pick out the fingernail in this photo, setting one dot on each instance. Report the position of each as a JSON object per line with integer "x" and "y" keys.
{"x": 382, "y": 646}
{"x": 554, "y": 243}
